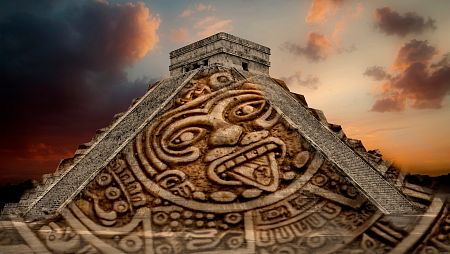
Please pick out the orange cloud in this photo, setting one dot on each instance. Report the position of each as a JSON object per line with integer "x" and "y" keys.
{"x": 317, "y": 47}
{"x": 201, "y": 24}
{"x": 338, "y": 29}
{"x": 188, "y": 12}
{"x": 203, "y": 7}
{"x": 350, "y": 14}
{"x": 321, "y": 9}
{"x": 319, "y": 43}
{"x": 211, "y": 25}
{"x": 145, "y": 27}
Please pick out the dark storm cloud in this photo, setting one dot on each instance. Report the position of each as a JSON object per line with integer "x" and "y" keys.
{"x": 393, "y": 23}
{"x": 63, "y": 74}
{"x": 417, "y": 82}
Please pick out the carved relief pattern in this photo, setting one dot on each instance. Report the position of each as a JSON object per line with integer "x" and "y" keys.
{"x": 219, "y": 147}
{"x": 221, "y": 171}
{"x": 439, "y": 239}
{"x": 382, "y": 235}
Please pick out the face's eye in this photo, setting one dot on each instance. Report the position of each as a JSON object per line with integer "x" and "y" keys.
{"x": 186, "y": 137}
{"x": 247, "y": 111}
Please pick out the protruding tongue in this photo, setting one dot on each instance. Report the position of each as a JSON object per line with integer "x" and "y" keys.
{"x": 261, "y": 172}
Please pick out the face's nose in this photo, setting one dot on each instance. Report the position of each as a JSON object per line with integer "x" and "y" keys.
{"x": 225, "y": 134}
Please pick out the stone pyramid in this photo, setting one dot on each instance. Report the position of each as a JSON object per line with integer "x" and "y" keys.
{"x": 222, "y": 158}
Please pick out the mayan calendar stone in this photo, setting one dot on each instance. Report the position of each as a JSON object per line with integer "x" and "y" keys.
{"x": 222, "y": 158}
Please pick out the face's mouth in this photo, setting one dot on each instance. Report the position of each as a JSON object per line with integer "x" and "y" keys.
{"x": 254, "y": 165}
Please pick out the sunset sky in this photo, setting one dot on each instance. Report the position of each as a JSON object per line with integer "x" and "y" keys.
{"x": 381, "y": 69}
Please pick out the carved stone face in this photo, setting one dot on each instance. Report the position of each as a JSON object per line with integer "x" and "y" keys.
{"x": 223, "y": 142}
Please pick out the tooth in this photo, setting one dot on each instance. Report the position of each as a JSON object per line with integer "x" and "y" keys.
{"x": 271, "y": 146}
{"x": 262, "y": 160}
{"x": 229, "y": 164}
{"x": 251, "y": 155}
{"x": 240, "y": 159}
{"x": 221, "y": 168}
{"x": 252, "y": 165}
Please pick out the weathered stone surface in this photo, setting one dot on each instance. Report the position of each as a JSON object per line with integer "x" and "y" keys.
{"x": 224, "y": 49}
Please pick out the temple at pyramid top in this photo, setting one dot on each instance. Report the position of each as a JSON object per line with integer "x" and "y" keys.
{"x": 221, "y": 48}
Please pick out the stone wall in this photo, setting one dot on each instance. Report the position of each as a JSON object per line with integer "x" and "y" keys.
{"x": 224, "y": 49}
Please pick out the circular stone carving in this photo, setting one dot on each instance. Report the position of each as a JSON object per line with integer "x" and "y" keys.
{"x": 315, "y": 241}
{"x": 220, "y": 80}
{"x": 131, "y": 243}
{"x": 104, "y": 179}
{"x": 164, "y": 249}
{"x": 112, "y": 193}
{"x": 222, "y": 151}
{"x": 319, "y": 179}
{"x": 233, "y": 218}
{"x": 235, "y": 242}
{"x": 120, "y": 206}
{"x": 160, "y": 218}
